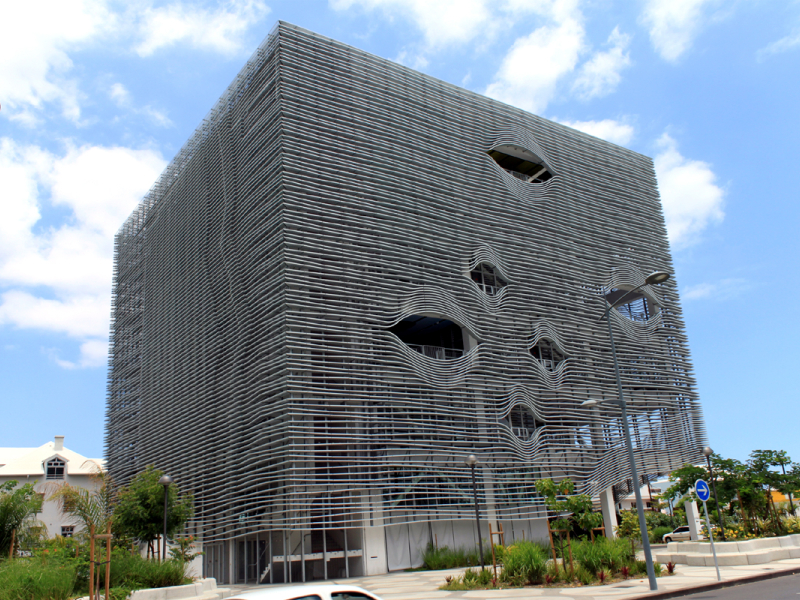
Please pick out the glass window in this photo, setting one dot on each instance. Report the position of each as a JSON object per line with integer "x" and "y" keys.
{"x": 55, "y": 468}
{"x": 351, "y": 596}
{"x": 67, "y": 530}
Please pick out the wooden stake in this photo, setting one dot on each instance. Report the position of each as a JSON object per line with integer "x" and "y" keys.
{"x": 108, "y": 559}
{"x": 552, "y": 545}
{"x": 571, "y": 564}
{"x": 91, "y": 562}
{"x": 491, "y": 541}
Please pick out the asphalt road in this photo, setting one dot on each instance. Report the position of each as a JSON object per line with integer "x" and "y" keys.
{"x": 780, "y": 588}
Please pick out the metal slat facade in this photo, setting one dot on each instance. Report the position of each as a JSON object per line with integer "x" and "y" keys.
{"x": 329, "y": 196}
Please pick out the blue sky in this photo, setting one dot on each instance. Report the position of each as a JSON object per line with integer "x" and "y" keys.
{"x": 97, "y": 96}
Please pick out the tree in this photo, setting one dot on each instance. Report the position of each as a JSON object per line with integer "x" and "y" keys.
{"x": 684, "y": 480}
{"x": 139, "y": 511}
{"x": 18, "y": 506}
{"x": 559, "y": 497}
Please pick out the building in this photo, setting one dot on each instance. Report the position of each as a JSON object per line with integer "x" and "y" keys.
{"x": 354, "y": 275}
{"x": 46, "y": 467}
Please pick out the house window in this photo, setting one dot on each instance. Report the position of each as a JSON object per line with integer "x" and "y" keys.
{"x": 547, "y": 353}
{"x": 520, "y": 163}
{"x": 55, "y": 468}
{"x": 435, "y": 337}
{"x": 636, "y": 306}
{"x": 67, "y": 530}
{"x": 486, "y": 278}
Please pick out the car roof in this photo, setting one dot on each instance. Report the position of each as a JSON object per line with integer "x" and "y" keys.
{"x": 285, "y": 592}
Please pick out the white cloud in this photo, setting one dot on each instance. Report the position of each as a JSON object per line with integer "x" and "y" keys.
{"x": 782, "y": 45}
{"x": 123, "y": 98}
{"x": 690, "y": 196}
{"x": 34, "y": 61}
{"x": 536, "y": 63}
{"x": 673, "y": 25}
{"x": 94, "y": 353}
{"x": 219, "y": 30}
{"x": 58, "y": 278}
{"x": 37, "y": 40}
{"x": 600, "y": 75}
{"x": 616, "y": 132}
{"x": 720, "y": 290}
{"x": 442, "y": 23}
{"x": 77, "y": 316}
{"x": 410, "y": 59}
{"x": 119, "y": 94}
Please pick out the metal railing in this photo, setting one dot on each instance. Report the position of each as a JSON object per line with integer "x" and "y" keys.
{"x": 437, "y": 351}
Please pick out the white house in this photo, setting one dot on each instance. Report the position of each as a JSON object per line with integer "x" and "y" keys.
{"x": 46, "y": 467}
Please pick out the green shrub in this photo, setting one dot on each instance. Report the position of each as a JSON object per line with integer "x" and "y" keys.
{"x": 133, "y": 571}
{"x": 35, "y": 579}
{"x": 524, "y": 561}
{"x": 621, "y": 554}
{"x": 585, "y": 576}
{"x": 592, "y": 556}
{"x": 638, "y": 567}
{"x": 657, "y": 535}
{"x": 657, "y": 568}
{"x": 449, "y": 558}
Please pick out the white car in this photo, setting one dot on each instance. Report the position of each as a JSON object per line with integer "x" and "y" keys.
{"x": 308, "y": 592}
{"x": 680, "y": 534}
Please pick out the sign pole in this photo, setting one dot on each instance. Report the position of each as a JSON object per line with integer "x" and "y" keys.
{"x": 703, "y": 492}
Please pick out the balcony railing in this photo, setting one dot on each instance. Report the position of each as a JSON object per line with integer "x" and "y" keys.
{"x": 437, "y": 351}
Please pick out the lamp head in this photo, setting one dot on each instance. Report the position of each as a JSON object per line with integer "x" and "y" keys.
{"x": 707, "y": 451}
{"x": 656, "y": 277}
{"x": 590, "y": 403}
{"x": 165, "y": 480}
{"x": 471, "y": 460}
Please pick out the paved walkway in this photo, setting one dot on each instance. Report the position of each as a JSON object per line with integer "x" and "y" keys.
{"x": 423, "y": 585}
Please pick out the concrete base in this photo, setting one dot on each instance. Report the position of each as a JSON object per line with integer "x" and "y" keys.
{"x": 750, "y": 552}
{"x": 205, "y": 589}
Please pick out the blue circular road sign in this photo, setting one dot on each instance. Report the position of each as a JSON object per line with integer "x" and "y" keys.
{"x": 701, "y": 489}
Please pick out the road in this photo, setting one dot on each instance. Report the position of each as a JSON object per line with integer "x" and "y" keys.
{"x": 779, "y": 588}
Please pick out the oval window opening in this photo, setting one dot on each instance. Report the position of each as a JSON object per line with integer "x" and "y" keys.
{"x": 521, "y": 163}
{"x": 434, "y": 337}
{"x": 488, "y": 279}
{"x": 547, "y": 353}
{"x": 636, "y": 306}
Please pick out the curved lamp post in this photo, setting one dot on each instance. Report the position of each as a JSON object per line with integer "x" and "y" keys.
{"x": 166, "y": 481}
{"x": 652, "y": 279}
{"x": 471, "y": 461}
{"x": 707, "y": 452}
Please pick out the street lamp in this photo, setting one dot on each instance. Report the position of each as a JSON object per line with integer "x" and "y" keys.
{"x": 652, "y": 279}
{"x": 707, "y": 452}
{"x": 165, "y": 480}
{"x": 471, "y": 461}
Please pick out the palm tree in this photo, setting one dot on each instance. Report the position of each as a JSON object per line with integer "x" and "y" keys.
{"x": 17, "y": 507}
{"x": 88, "y": 507}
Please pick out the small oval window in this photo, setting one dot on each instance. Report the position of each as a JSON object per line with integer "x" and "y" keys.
{"x": 521, "y": 163}
{"x": 487, "y": 279}
{"x": 547, "y": 353}
{"x": 636, "y": 306}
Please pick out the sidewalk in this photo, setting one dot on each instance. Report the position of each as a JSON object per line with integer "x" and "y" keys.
{"x": 423, "y": 585}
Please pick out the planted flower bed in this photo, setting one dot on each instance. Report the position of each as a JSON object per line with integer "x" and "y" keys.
{"x": 529, "y": 564}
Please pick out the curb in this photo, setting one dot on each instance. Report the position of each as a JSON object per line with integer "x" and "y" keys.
{"x": 718, "y": 585}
